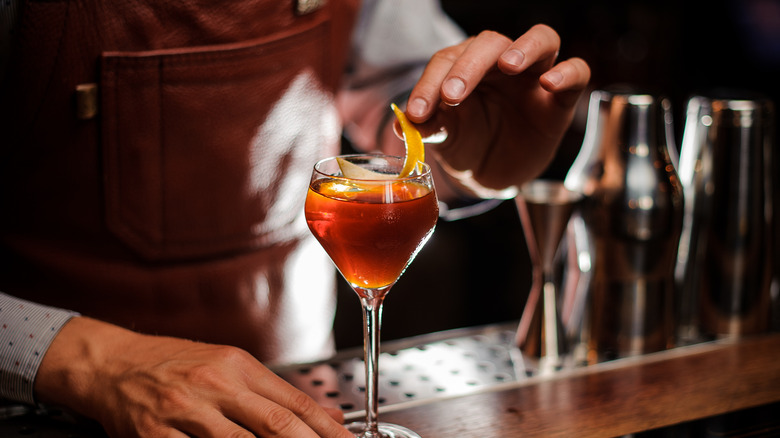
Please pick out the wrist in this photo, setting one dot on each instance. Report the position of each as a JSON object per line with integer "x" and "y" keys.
{"x": 70, "y": 371}
{"x": 462, "y": 186}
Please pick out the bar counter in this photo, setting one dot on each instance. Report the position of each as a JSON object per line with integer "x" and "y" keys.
{"x": 616, "y": 398}
{"x": 704, "y": 382}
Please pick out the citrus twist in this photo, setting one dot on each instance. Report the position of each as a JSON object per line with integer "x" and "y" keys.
{"x": 415, "y": 150}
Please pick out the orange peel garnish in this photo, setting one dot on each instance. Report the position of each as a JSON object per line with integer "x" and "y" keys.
{"x": 415, "y": 149}
{"x": 353, "y": 171}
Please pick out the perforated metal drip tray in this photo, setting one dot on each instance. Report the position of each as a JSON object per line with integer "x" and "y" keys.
{"x": 416, "y": 370}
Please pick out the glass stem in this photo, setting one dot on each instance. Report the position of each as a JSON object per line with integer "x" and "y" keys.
{"x": 372, "y": 321}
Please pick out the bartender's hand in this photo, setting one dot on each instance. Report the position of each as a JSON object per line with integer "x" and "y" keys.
{"x": 148, "y": 386}
{"x": 505, "y": 105}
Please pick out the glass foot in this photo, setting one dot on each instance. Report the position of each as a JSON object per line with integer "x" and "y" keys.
{"x": 386, "y": 430}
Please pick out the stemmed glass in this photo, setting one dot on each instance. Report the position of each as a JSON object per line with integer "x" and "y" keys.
{"x": 371, "y": 223}
{"x": 545, "y": 207}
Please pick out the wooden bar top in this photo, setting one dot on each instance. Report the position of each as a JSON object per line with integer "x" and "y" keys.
{"x": 613, "y": 398}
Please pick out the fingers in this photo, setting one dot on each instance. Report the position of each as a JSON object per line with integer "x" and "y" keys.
{"x": 245, "y": 413}
{"x": 208, "y": 423}
{"x": 572, "y": 74}
{"x": 426, "y": 94}
{"x": 453, "y": 73}
{"x": 245, "y": 416}
{"x": 270, "y": 406}
{"x": 478, "y": 57}
{"x": 567, "y": 80}
{"x": 335, "y": 413}
{"x": 321, "y": 421}
{"x": 274, "y": 407}
{"x": 535, "y": 51}
{"x": 267, "y": 418}
{"x": 170, "y": 433}
{"x": 290, "y": 414}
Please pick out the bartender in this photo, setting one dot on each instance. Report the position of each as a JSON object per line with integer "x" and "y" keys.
{"x": 155, "y": 157}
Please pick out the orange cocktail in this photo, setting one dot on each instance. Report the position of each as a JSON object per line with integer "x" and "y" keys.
{"x": 371, "y": 229}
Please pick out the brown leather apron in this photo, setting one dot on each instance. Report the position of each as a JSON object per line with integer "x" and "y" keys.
{"x": 177, "y": 209}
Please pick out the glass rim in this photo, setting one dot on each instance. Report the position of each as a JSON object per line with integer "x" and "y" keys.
{"x": 427, "y": 170}
{"x": 549, "y": 190}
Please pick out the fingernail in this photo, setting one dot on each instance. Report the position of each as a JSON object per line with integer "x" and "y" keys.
{"x": 417, "y": 107}
{"x": 513, "y": 57}
{"x": 553, "y": 77}
{"x": 454, "y": 88}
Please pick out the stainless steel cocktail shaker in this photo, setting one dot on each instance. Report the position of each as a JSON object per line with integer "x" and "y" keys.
{"x": 633, "y": 210}
{"x": 725, "y": 257}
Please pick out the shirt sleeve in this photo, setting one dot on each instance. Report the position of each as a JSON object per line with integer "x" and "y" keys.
{"x": 26, "y": 331}
{"x": 391, "y": 44}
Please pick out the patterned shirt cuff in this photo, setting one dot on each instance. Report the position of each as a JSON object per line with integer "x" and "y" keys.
{"x": 26, "y": 331}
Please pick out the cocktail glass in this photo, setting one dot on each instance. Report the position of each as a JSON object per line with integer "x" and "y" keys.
{"x": 371, "y": 226}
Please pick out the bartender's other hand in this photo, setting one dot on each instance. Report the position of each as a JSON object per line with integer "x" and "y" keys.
{"x": 505, "y": 105}
{"x": 149, "y": 386}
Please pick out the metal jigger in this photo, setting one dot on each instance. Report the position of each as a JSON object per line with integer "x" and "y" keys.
{"x": 545, "y": 207}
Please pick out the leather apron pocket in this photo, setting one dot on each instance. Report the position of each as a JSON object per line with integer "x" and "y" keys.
{"x": 208, "y": 150}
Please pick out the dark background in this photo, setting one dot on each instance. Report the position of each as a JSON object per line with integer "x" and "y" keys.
{"x": 477, "y": 271}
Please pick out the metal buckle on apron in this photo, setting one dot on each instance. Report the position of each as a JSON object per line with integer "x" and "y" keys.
{"x": 86, "y": 101}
